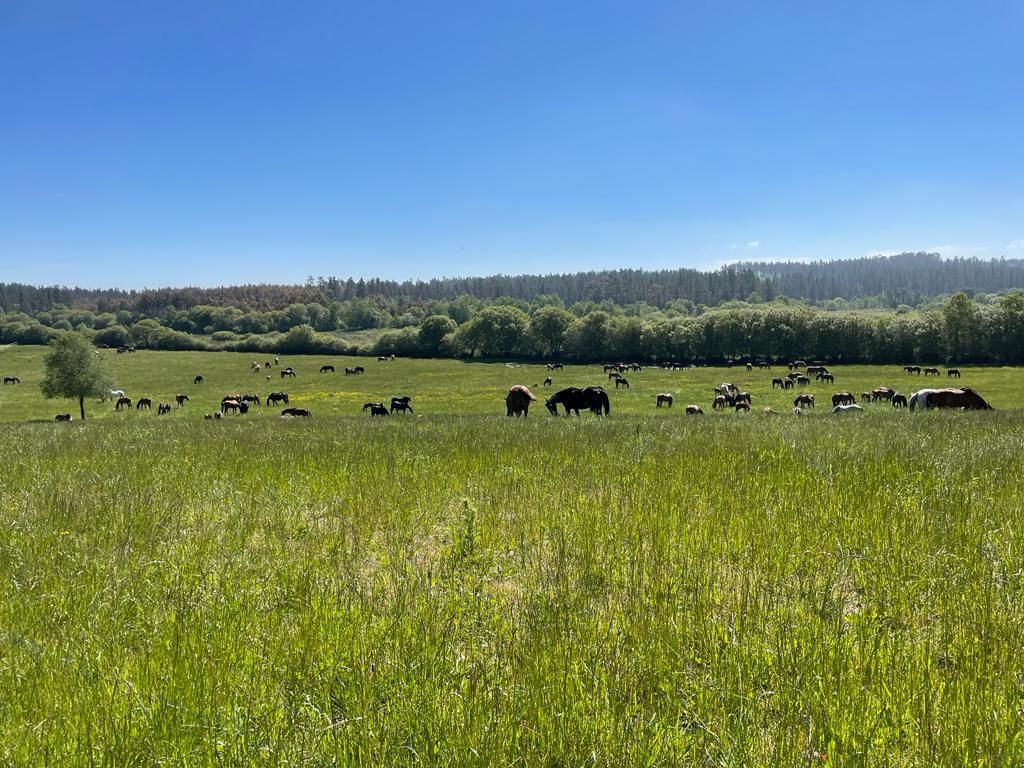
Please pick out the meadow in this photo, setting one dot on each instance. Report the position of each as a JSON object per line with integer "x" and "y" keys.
{"x": 460, "y": 588}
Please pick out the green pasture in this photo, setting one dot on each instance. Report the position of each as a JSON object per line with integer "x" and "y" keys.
{"x": 440, "y": 387}
{"x": 459, "y": 588}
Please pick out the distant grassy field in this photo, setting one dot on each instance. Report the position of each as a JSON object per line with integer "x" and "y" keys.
{"x": 440, "y": 387}
{"x": 460, "y": 588}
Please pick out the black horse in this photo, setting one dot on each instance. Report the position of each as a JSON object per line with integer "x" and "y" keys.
{"x": 277, "y": 397}
{"x": 376, "y": 409}
{"x": 326, "y": 369}
{"x": 298, "y": 412}
{"x": 12, "y": 380}
{"x": 402, "y": 404}
{"x": 594, "y": 399}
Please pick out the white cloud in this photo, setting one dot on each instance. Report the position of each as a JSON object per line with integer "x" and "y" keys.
{"x": 1015, "y": 245}
{"x": 754, "y": 244}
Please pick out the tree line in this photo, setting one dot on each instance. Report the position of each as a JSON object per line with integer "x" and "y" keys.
{"x": 959, "y": 330}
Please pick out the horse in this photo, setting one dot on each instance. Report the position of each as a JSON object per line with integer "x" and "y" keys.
{"x": 326, "y": 369}
{"x": 112, "y": 394}
{"x": 296, "y": 412}
{"x": 762, "y": 364}
{"x": 62, "y": 417}
{"x": 376, "y": 409}
{"x": 694, "y": 410}
{"x": 547, "y": 381}
{"x": 251, "y": 399}
{"x": 815, "y": 370}
{"x": 965, "y": 398}
{"x": 718, "y": 403}
{"x": 741, "y": 406}
{"x": 804, "y": 398}
{"x": 230, "y": 405}
{"x": 181, "y": 400}
{"x": 843, "y": 398}
{"x": 882, "y": 393}
{"x": 401, "y": 404}
{"x": 277, "y": 397}
{"x": 554, "y": 366}
{"x": 778, "y": 383}
{"x": 122, "y": 402}
{"x": 742, "y": 397}
{"x": 144, "y": 402}
{"x": 865, "y": 397}
{"x": 594, "y": 399}
{"x": 266, "y": 365}
{"x": 826, "y": 377}
{"x": 910, "y": 369}
{"x": 614, "y": 375}
{"x": 351, "y": 371}
{"x": 797, "y": 364}
{"x": 163, "y": 408}
{"x": 803, "y": 381}
{"x": 12, "y": 380}
{"x": 664, "y": 397}
{"x": 899, "y": 400}
{"x": 750, "y": 366}
{"x": 197, "y": 380}
{"x": 951, "y": 373}
{"x": 382, "y": 359}
{"x": 932, "y": 372}
{"x": 621, "y": 381}
{"x": 518, "y": 400}
{"x": 288, "y": 372}
{"x": 850, "y": 408}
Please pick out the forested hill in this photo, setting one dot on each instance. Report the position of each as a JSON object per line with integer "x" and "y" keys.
{"x": 907, "y": 278}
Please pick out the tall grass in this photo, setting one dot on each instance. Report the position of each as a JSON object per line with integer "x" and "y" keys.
{"x": 467, "y": 590}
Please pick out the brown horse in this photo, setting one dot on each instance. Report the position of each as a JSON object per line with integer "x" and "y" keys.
{"x": 664, "y": 398}
{"x": 843, "y": 398}
{"x": 882, "y": 393}
{"x": 621, "y": 381}
{"x": 912, "y": 369}
{"x": 804, "y": 399}
{"x": 931, "y": 372}
{"x": 518, "y": 400}
{"x": 965, "y": 398}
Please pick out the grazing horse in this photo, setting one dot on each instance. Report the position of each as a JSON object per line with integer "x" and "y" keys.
{"x": 12, "y": 380}
{"x": 843, "y": 398}
{"x": 382, "y": 359}
{"x": 251, "y": 399}
{"x": 804, "y": 398}
{"x": 965, "y": 398}
{"x": 122, "y": 402}
{"x": 742, "y": 397}
{"x": 326, "y": 369}
{"x": 742, "y": 406}
{"x": 882, "y": 393}
{"x": 376, "y": 409}
{"x": 816, "y": 370}
{"x": 518, "y": 400}
{"x": 62, "y": 417}
{"x": 694, "y": 410}
{"x": 865, "y": 397}
{"x": 112, "y": 394}
{"x": 296, "y": 412}
{"x": 849, "y": 408}
{"x": 554, "y": 366}
{"x": 664, "y": 397}
{"x": 197, "y": 380}
{"x": 912, "y": 369}
{"x": 288, "y": 372}
{"x": 277, "y": 397}
{"x": 826, "y": 377}
{"x": 899, "y": 400}
{"x": 803, "y": 381}
{"x": 144, "y": 402}
{"x": 266, "y": 365}
{"x": 932, "y": 372}
{"x": 401, "y": 404}
{"x": 163, "y": 408}
{"x": 718, "y": 403}
{"x": 621, "y": 382}
{"x": 181, "y": 400}
{"x": 778, "y": 383}
{"x": 750, "y": 366}
{"x": 352, "y": 371}
{"x": 547, "y": 381}
{"x": 952, "y": 373}
{"x": 613, "y": 375}
{"x": 594, "y": 399}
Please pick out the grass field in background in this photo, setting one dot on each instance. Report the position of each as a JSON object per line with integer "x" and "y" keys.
{"x": 460, "y": 588}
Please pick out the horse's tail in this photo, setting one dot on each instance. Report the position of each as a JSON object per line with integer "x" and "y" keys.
{"x": 605, "y": 403}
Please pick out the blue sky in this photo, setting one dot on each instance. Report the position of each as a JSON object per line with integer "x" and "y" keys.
{"x": 209, "y": 143}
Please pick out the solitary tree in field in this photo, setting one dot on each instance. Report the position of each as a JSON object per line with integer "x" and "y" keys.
{"x": 73, "y": 368}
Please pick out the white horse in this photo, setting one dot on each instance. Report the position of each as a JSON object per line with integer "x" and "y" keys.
{"x": 847, "y": 408}
{"x": 112, "y": 394}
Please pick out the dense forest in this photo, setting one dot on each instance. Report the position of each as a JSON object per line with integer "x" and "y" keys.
{"x": 682, "y": 316}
